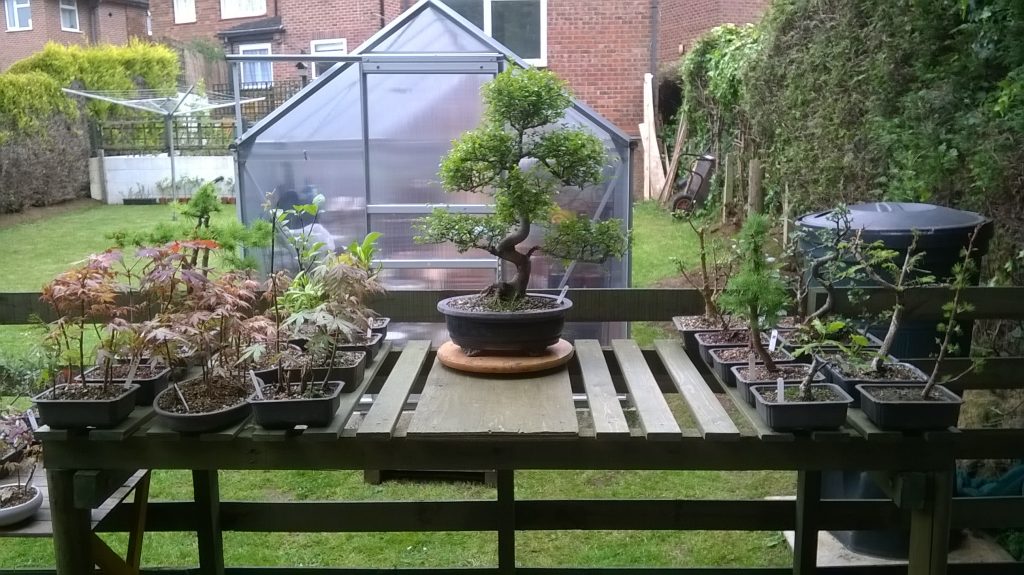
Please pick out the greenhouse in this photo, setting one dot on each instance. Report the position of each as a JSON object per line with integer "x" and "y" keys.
{"x": 369, "y": 135}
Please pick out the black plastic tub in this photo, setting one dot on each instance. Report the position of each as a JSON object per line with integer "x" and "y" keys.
{"x": 802, "y": 415}
{"x": 686, "y": 333}
{"x": 905, "y": 415}
{"x": 380, "y": 325}
{"x": 148, "y": 388}
{"x": 81, "y": 413}
{"x": 744, "y": 386}
{"x": 850, "y": 385}
{"x": 287, "y": 413}
{"x": 704, "y": 339}
{"x": 352, "y": 374}
{"x": 370, "y": 347}
{"x": 200, "y": 422}
{"x": 724, "y": 368}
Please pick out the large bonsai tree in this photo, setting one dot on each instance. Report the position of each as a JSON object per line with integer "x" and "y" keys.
{"x": 520, "y": 156}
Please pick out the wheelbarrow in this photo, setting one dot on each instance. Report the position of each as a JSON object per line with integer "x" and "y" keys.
{"x": 692, "y": 189}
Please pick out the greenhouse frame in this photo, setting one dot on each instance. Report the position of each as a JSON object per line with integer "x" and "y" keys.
{"x": 369, "y": 135}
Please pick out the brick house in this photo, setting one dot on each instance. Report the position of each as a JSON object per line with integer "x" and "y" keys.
{"x": 30, "y": 24}
{"x": 601, "y": 47}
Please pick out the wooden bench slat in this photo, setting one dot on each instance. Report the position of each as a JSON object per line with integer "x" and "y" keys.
{"x": 858, "y": 420}
{"x": 127, "y": 427}
{"x": 712, "y": 419}
{"x": 656, "y": 419}
{"x": 348, "y": 403}
{"x": 605, "y": 409}
{"x": 760, "y": 427}
{"x": 381, "y": 419}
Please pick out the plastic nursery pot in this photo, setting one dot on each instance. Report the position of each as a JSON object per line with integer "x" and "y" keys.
{"x": 834, "y": 374}
{"x": 793, "y": 373}
{"x": 785, "y": 343}
{"x": 80, "y": 413}
{"x": 18, "y": 513}
{"x": 723, "y": 368}
{"x": 690, "y": 325}
{"x": 909, "y": 413}
{"x": 708, "y": 340}
{"x": 352, "y": 373}
{"x": 199, "y": 422}
{"x": 802, "y": 415}
{"x": 311, "y": 411}
{"x": 380, "y": 325}
{"x": 148, "y": 387}
{"x": 370, "y": 346}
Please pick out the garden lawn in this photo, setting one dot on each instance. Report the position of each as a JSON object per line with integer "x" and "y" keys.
{"x": 37, "y": 252}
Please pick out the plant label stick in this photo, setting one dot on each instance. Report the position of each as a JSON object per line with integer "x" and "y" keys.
{"x": 773, "y": 341}
{"x": 256, "y": 384}
{"x": 32, "y": 420}
{"x": 561, "y": 296}
{"x": 131, "y": 372}
{"x": 780, "y": 390}
{"x": 181, "y": 397}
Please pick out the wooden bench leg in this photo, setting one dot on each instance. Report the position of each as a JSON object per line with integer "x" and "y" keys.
{"x": 506, "y": 522}
{"x": 207, "y": 505}
{"x": 72, "y": 528}
{"x": 134, "y": 555}
{"x": 929, "y": 527}
{"x": 109, "y": 562}
{"x": 805, "y": 539}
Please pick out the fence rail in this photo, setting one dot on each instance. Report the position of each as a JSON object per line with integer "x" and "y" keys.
{"x": 192, "y": 136}
{"x": 273, "y": 94}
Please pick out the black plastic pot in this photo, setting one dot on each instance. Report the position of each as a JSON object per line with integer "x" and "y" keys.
{"x": 528, "y": 332}
{"x": 352, "y": 374}
{"x": 81, "y": 413}
{"x": 370, "y": 347}
{"x": 287, "y": 413}
{"x": 381, "y": 327}
{"x": 724, "y": 368}
{"x": 850, "y": 385}
{"x": 148, "y": 388}
{"x": 910, "y": 415}
{"x": 200, "y": 422}
{"x": 802, "y": 415}
{"x": 687, "y": 333}
{"x": 874, "y": 344}
{"x": 744, "y": 386}
{"x": 705, "y": 347}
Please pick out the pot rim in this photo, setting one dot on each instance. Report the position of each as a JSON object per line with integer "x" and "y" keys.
{"x": 715, "y": 352}
{"x": 170, "y": 389}
{"x": 735, "y": 371}
{"x": 161, "y": 373}
{"x": 35, "y": 498}
{"x": 128, "y": 389}
{"x": 844, "y": 400}
{"x": 950, "y": 397}
{"x": 445, "y": 308}
{"x": 338, "y": 387}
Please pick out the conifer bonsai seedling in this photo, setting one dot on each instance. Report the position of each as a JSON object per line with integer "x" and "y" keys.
{"x": 522, "y": 157}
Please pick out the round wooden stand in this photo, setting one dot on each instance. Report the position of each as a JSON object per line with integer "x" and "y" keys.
{"x": 452, "y": 356}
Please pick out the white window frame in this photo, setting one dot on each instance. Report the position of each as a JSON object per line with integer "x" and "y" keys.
{"x": 259, "y": 46}
{"x": 11, "y": 8}
{"x": 313, "y": 44}
{"x": 541, "y": 62}
{"x": 149, "y": 22}
{"x": 69, "y": 6}
{"x": 229, "y": 9}
{"x": 187, "y": 16}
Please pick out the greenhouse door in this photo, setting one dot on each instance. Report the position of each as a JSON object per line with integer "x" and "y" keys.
{"x": 414, "y": 108}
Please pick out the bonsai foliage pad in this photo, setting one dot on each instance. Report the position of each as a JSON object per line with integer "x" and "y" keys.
{"x": 556, "y": 355}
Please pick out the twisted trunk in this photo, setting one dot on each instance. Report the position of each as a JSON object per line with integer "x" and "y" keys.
{"x": 758, "y": 346}
{"x": 507, "y": 251}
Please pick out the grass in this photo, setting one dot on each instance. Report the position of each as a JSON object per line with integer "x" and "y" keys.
{"x": 41, "y": 251}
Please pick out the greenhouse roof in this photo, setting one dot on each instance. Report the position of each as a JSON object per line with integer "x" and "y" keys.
{"x": 428, "y": 32}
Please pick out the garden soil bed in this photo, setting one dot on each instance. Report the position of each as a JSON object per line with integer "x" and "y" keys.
{"x": 904, "y": 393}
{"x": 701, "y": 323}
{"x": 787, "y": 372}
{"x": 89, "y": 391}
{"x": 742, "y": 354}
{"x": 205, "y": 398}
{"x": 120, "y": 372}
{"x": 479, "y": 303}
{"x": 793, "y": 394}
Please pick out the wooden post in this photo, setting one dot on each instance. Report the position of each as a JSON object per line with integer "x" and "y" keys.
{"x": 785, "y": 216}
{"x": 134, "y": 555}
{"x": 929, "y": 527}
{"x": 729, "y": 186}
{"x": 755, "y": 193}
{"x": 207, "y": 517}
{"x": 506, "y": 522}
{"x": 72, "y": 528}
{"x": 805, "y": 539}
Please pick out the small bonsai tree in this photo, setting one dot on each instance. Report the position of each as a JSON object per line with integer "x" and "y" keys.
{"x": 756, "y": 293}
{"x": 714, "y": 265}
{"x": 828, "y": 265}
{"x": 19, "y": 451}
{"x": 520, "y": 157}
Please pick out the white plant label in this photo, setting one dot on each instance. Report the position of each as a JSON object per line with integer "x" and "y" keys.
{"x": 32, "y": 420}
{"x": 561, "y": 296}
{"x": 773, "y": 341}
{"x": 780, "y": 390}
{"x": 256, "y": 385}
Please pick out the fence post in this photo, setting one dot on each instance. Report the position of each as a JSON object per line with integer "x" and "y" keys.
{"x": 728, "y": 188}
{"x": 755, "y": 192}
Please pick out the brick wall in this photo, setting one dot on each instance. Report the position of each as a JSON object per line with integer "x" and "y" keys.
{"x": 20, "y": 44}
{"x": 112, "y": 23}
{"x": 135, "y": 21}
{"x": 683, "y": 21}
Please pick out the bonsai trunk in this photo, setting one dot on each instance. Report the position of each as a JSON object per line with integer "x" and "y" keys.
{"x": 890, "y": 335}
{"x": 758, "y": 346}
{"x": 805, "y": 384}
{"x": 506, "y": 250}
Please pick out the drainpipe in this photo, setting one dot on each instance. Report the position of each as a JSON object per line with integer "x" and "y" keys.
{"x": 655, "y": 17}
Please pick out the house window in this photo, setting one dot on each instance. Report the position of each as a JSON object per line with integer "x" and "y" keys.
{"x": 332, "y": 46}
{"x": 19, "y": 14}
{"x": 242, "y": 8}
{"x": 184, "y": 11}
{"x": 521, "y": 25}
{"x": 256, "y": 74}
{"x": 69, "y": 16}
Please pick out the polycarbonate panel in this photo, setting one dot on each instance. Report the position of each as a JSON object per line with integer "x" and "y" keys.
{"x": 430, "y": 32}
{"x": 397, "y": 241}
{"x": 436, "y": 278}
{"x": 332, "y": 112}
{"x": 413, "y": 119}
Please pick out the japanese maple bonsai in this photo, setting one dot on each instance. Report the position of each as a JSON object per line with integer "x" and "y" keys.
{"x": 521, "y": 156}
{"x": 79, "y": 297}
{"x": 715, "y": 264}
{"x": 19, "y": 452}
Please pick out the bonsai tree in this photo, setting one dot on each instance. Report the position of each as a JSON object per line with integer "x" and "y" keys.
{"x": 756, "y": 293}
{"x": 714, "y": 265}
{"x": 520, "y": 157}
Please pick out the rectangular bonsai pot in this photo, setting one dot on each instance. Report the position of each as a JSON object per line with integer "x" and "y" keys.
{"x": 81, "y": 413}
{"x": 381, "y": 326}
{"x": 148, "y": 388}
{"x": 287, "y": 413}
{"x": 371, "y": 346}
{"x": 802, "y": 415}
{"x": 687, "y": 333}
{"x": 874, "y": 344}
{"x": 851, "y": 385}
{"x": 705, "y": 347}
{"x": 724, "y": 368}
{"x": 744, "y": 386}
{"x": 917, "y": 415}
{"x": 353, "y": 374}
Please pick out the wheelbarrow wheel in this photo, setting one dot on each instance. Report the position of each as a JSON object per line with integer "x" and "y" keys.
{"x": 681, "y": 203}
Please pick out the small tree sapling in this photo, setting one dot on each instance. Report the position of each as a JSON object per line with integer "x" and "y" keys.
{"x": 522, "y": 157}
{"x": 714, "y": 265}
{"x": 19, "y": 451}
{"x": 756, "y": 293}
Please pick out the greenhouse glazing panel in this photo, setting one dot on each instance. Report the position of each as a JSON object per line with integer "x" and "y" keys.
{"x": 329, "y": 110}
{"x": 430, "y": 32}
